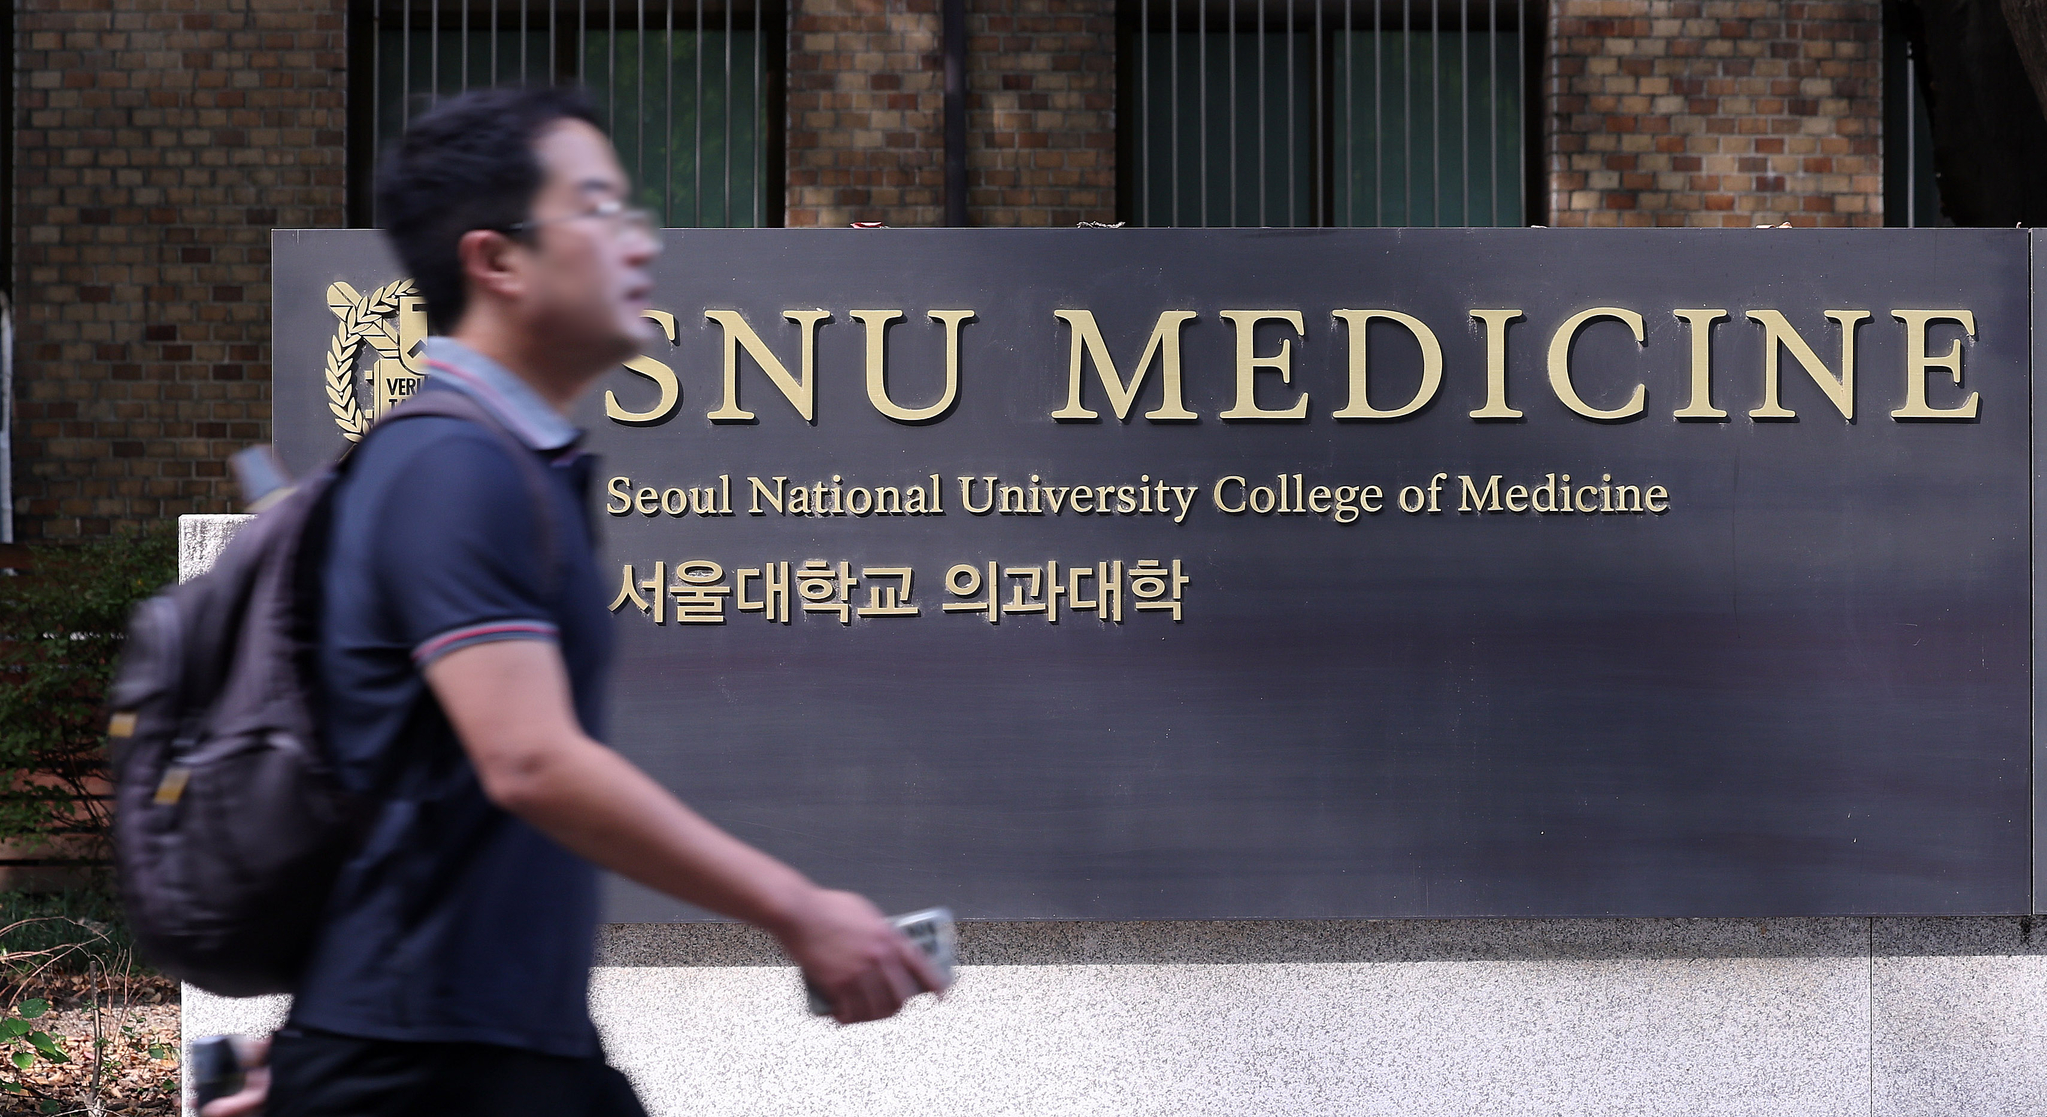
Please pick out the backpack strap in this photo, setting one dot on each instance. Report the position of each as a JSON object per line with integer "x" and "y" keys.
{"x": 458, "y": 405}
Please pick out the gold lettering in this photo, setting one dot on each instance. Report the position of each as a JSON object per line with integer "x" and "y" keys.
{"x": 1777, "y": 332}
{"x": 1164, "y": 345}
{"x": 1560, "y": 364}
{"x": 877, "y": 322}
{"x": 1917, "y": 362}
{"x": 760, "y": 493}
{"x": 1700, "y": 323}
{"x": 800, "y": 391}
{"x": 1656, "y": 499}
{"x": 1249, "y": 362}
{"x": 967, "y": 495}
{"x": 657, "y": 371}
{"x": 1220, "y": 505}
{"x": 1355, "y": 324}
{"x": 1472, "y": 500}
{"x": 1496, "y": 364}
{"x": 647, "y": 501}
{"x": 618, "y": 489}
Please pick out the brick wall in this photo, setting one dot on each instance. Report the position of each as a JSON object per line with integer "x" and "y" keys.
{"x": 1041, "y": 111}
{"x": 157, "y": 143}
{"x": 866, "y": 135}
{"x": 866, "y": 103}
{"x": 1715, "y": 112}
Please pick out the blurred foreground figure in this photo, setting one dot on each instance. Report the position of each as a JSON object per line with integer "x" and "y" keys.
{"x": 464, "y": 643}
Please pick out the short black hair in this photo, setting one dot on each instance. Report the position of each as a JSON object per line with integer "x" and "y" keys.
{"x": 468, "y": 163}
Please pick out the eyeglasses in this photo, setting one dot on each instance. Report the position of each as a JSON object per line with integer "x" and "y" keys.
{"x": 625, "y": 221}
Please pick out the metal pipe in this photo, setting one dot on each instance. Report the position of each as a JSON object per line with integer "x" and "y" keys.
{"x": 728, "y": 115}
{"x": 696, "y": 154}
{"x": 668, "y": 122}
{"x": 1201, "y": 110}
{"x": 1492, "y": 38}
{"x": 955, "y": 30}
{"x": 1292, "y": 142}
{"x": 758, "y": 84}
{"x": 1144, "y": 112}
{"x": 640, "y": 97}
{"x": 1173, "y": 99}
{"x": 6, "y": 419}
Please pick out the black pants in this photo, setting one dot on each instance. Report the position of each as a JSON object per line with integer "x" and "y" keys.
{"x": 320, "y": 1074}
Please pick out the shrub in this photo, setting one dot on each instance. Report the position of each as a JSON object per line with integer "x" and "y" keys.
{"x": 62, "y": 622}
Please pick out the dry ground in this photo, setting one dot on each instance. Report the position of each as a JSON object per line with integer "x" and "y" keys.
{"x": 133, "y": 1080}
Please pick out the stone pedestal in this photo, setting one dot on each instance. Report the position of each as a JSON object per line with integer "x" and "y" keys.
{"x": 1590, "y": 1017}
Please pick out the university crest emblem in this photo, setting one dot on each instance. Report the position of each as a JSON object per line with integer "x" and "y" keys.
{"x": 391, "y": 321}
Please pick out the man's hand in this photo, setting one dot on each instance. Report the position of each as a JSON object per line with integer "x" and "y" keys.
{"x": 253, "y": 1054}
{"x": 509, "y": 704}
{"x": 863, "y": 965}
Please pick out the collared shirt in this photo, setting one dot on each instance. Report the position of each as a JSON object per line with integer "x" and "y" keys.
{"x": 455, "y": 922}
{"x": 511, "y": 399}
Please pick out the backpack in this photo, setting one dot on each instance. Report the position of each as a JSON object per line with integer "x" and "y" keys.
{"x": 230, "y": 824}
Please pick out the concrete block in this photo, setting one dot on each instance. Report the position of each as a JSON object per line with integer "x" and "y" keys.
{"x": 1504, "y": 1017}
{"x": 202, "y": 1014}
{"x": 201, "y": 539}
{"x": 1960, "y": 1017}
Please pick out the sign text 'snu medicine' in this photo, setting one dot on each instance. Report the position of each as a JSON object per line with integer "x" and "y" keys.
{"x": 1160, "y": 574}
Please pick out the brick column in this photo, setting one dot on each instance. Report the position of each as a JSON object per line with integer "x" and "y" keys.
{"x": 157, "y": 143}
{"x": 1715, "y": 112}
{"x": 1041, "y": 111}
{"x": 866, "y": 94}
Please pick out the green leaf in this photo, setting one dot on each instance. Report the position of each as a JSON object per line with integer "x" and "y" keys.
{"x": 51, "y": 1106}
{"x": 30, "y": 1009}
{"x": 12, "y": 1027}
{"x": 13, "y": 1087}
{"x": 24, "y": 1059}
{"x": 42, "y": 1042}
{"x": 159, "y": 1051}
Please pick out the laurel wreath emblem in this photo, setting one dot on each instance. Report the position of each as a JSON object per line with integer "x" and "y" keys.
{"x": 362, "y": 319}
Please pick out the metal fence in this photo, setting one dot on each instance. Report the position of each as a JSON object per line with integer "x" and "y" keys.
{"x": 691, "y": 88}
{"x": 1328, "y": 112}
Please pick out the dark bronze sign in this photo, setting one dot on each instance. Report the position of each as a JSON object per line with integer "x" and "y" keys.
{"x": 1159, "y": 574}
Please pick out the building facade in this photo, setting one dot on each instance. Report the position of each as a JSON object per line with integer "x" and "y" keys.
{"x": 158, "y": 142}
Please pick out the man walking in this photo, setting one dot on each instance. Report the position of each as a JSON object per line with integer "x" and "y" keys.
{"x": 463, "y": 648}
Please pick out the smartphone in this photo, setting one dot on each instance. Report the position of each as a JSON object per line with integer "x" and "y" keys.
{"x": 931, "y": 929}
{"x": 216, "y": 1070}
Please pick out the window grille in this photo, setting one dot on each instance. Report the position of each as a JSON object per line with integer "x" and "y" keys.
{"x": 1911, "y": 188}
{"x": 690, "y": 88}
{"x": 1328, "y": 112}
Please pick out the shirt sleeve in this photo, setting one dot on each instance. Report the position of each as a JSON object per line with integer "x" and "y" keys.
{"x": 458, "y": 557}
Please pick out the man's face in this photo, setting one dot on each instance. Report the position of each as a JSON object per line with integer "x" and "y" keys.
{"x": 588, "y": 284}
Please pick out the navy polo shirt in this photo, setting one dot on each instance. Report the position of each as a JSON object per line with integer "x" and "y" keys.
{"x": 456, "y": 921}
